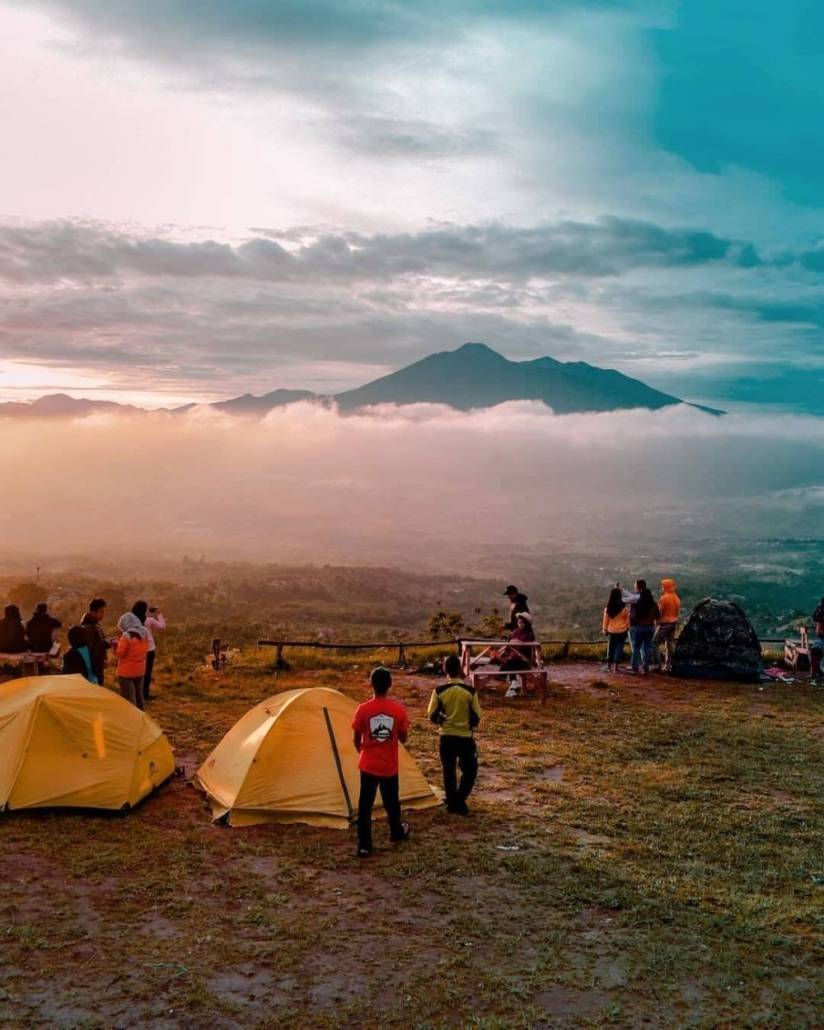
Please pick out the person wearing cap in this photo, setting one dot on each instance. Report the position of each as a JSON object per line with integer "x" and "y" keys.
{"x": 669, "y": 605}
{"x": 517, "y": 603}
{"x": 40, "y": 629}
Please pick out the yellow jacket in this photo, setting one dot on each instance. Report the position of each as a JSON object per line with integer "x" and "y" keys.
{"x": 455, "y": 708}
{"x": 618, "y": 624}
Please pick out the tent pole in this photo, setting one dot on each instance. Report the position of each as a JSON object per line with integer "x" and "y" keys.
{"x": 336, "y": 753}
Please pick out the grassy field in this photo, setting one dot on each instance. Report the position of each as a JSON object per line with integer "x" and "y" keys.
{"x": 639, "y": 853}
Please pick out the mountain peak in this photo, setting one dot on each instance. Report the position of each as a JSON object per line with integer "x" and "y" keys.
{"x": 476, "y": 350}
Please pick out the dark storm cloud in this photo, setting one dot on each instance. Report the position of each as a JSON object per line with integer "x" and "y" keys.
{"x": 75, "y": 251}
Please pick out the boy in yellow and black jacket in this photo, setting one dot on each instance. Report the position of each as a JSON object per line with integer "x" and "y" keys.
{"x": 455, "y": 709}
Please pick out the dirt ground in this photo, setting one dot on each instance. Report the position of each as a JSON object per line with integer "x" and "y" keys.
{"x": 639, "y": 853}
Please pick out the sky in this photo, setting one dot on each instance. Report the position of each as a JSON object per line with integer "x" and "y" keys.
{"x": 201, "y": 198}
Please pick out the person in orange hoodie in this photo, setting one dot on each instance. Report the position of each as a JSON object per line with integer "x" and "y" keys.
{"x": 615, "y": 624}
{"x": 669, "y": 604}
{"x": 131, "y": 651}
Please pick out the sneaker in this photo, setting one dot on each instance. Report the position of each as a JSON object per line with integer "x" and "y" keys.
{"x": 363, "y": 853}
{"x": 406, "y": 830}
{"x": 514, "y": 690}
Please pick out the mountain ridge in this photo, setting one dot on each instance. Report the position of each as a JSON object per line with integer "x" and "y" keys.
{"x": 469, "y": 377}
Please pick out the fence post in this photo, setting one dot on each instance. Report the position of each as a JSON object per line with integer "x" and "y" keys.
{"x": 565, "y": 652}
{"x": 280, "y": 662}
{"x": 402, "y": 662}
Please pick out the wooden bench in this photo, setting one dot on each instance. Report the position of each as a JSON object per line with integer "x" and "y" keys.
{"x": 535, "y": 675}
{"x": 28, "y": 662}
{"x": 797, "y": 652}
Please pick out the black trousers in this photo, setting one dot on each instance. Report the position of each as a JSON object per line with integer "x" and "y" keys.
{"x": 147, "y": 675}
{"x": 458, "y": 753}
{"x": 369, "y": 787}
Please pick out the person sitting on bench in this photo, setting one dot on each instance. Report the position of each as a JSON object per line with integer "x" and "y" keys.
{"x": 817, "y": 644}
{"x": 517, "y": 659}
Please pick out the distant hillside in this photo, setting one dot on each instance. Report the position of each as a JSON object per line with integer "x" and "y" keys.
{"x": 473, "y": 376}
{"x": 61, "y": 405}
{"x": 250, "y": 404}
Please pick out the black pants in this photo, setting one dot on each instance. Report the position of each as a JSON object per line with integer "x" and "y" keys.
{"x": 458, "y": 752}
{"x": 369, "y": 786}
{"x": 147, "y": 675}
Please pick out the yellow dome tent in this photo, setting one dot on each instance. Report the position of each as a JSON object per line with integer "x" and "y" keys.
{"x": 66, "y": 743}
{"x": 291, "y": 759}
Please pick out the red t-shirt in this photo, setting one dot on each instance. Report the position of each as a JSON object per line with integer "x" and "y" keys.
{"x": 380, "y": 722}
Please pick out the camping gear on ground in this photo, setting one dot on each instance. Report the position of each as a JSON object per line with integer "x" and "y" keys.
{"x": 718, "y": 642}
{"x": 292, "y": 759}
{"x": 66, "y": 743}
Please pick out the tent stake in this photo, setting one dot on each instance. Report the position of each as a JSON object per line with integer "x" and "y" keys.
{"x": 334, "y": 744}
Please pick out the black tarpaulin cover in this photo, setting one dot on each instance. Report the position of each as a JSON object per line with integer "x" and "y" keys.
{"x": 718, "y": 642}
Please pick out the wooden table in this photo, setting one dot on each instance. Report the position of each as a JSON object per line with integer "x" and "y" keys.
{"x": 536, "y": 673}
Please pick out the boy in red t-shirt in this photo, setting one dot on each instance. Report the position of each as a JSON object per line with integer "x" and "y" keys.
{"x": 378, "y": 726}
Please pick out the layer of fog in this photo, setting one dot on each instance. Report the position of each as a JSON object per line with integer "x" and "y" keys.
{"x": 420, "y": 485}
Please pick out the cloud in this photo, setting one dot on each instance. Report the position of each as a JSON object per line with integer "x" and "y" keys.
{"x": 399, "y": 483}
{"x": 159, "y": 311}
{"x": 71, "y": 250}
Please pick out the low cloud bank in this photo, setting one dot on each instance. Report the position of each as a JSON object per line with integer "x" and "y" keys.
{"x": 420, "y": 485}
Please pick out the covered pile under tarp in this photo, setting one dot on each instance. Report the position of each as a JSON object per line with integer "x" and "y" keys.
{"x": 66, "y": 743}
{"x": 292, "y": 759}
{"x": 718, "y": 642}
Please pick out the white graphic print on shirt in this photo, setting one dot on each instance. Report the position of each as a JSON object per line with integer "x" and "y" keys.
{"x": 380, "y": 728}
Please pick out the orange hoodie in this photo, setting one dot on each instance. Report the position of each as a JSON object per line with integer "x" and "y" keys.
{"x": 131, "y": 656}
{"x": 669, "y": 602}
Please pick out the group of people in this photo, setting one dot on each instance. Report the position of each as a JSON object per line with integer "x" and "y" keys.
{"x": 381, "y": 723}
{"x": 134, "y": 647}
{"x": 36, "y": 635}
{"x": 650, "y": 625}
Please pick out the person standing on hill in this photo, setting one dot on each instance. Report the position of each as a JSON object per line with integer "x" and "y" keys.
{"x": 517, "y": 603}
{"x": 455, "y": 709}
{"x": 78, "y": 660}
{"x": 378, "y": 725}
{"x": 615, "y": 623}
{"x": 12, "y": 631}
{"x": 669, "y": 605}
{"x": 95, "y": 638}
{"x": 40, "y": 629}
{"x": 817, "y": 644}
{"x": 643, "y": 614}
{"x": 153, "y": 620}
{"x": 131, "y": 651}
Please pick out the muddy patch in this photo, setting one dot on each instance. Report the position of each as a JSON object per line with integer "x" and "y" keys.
{"x": 567, "y": 1003}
